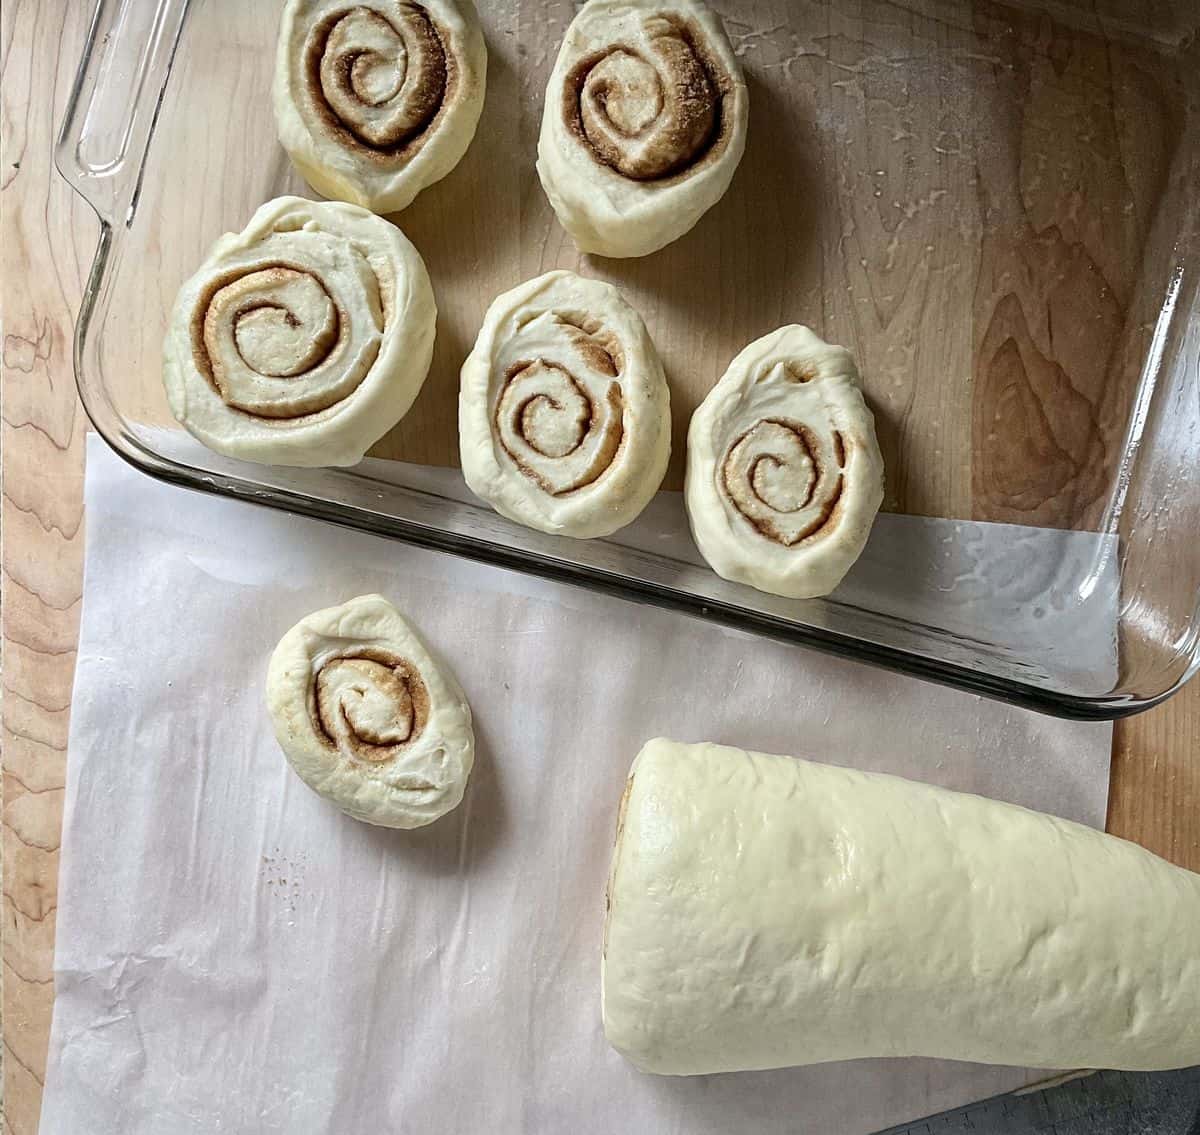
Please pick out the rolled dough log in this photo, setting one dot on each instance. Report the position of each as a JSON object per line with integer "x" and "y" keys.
{"x": 765, "y": 912}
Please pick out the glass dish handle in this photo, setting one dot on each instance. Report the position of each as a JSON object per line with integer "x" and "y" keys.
{"x": 113, "y": 105}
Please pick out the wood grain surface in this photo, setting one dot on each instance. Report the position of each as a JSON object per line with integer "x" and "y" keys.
{"x": 962, "y": 194}
{"x": 875, "y": 269}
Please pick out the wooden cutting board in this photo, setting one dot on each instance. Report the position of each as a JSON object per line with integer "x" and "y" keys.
{"x": 963, "y": 195}
{"x": 811, "y": 231}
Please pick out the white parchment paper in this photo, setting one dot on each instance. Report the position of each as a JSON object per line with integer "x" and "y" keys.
{"x": 234, "y": 955}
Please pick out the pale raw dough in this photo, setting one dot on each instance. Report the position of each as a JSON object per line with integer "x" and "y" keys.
{"x": 564, "y": 412}
{"x": 378, "y": 99}
{"x": 784, "y": 474}
{"x": 644, "y": 123}
{"x": 765, "y": 912}
{"x": 367, "y": 718}
{"x": 302, "y": 339}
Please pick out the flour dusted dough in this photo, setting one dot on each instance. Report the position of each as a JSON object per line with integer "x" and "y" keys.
{"x": 784, "y": 473}
{"x": 377, "y": 99}
{"x": 367, "y": 718}
{"x": 644, "y": 123}
{"x": 766, "y": 912}
{"x": 564, "y": 415}
{"x": 302, "y": 339}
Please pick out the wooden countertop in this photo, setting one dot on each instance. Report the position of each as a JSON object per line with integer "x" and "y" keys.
{"x": 47, "y": 241}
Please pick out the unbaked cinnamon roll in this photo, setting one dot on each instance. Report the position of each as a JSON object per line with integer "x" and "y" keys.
{"x": 644, "y": 123}
{"x": 302, "y": 339}
{"x": 784, "y": 473}
{"x": 367, "y": 718}
{"x": 564, "y": 414}
{"x": 377, "y": 99}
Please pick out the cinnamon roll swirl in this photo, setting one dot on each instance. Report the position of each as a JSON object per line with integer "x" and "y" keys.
{"x": 302, "y": 339}
{"x": 367, "y": 719}
{"x": 644, "y": 123}
{"x": 564, "y": 416}
{"x": 377, "y": 99}
{"x": 784, "y": 473}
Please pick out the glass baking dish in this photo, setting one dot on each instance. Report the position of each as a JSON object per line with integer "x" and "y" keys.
{"x": 996, "y": 206}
